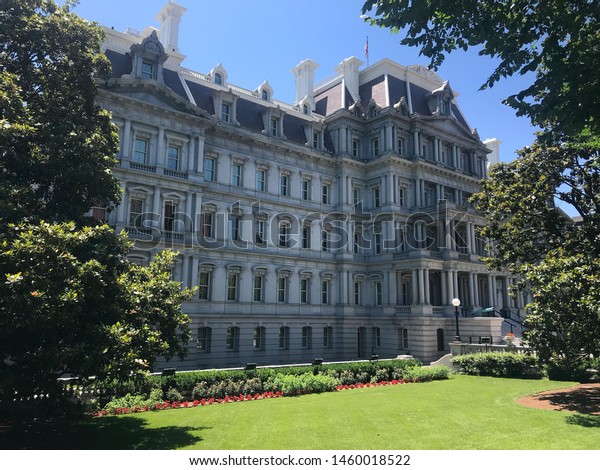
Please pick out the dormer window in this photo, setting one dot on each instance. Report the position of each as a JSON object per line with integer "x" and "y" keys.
{"x": 148, "y": 58}
{"x": 218, "y": 79}
{"x": 265, "y": 91}
{"x": 265, "y": 95}
{"x": 225, "y": 112}
{"x": 305, "y": 109}
{"x": 147, "y": 70}
{"x": 440, "y": 99}
{"x": 219, "y": 75}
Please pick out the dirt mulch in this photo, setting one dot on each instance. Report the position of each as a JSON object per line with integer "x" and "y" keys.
{"x": 584, "y": 399}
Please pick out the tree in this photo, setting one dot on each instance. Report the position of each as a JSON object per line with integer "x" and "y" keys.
{"x": 559, "y": 40}
{"x": 70, "y": 301}
{"x": 556, "y": 256}
{"x": 57, "y": 146}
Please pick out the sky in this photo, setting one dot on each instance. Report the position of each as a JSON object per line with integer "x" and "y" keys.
{"x": 258, "y": 40}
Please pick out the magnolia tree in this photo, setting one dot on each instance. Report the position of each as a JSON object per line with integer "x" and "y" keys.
{"x": 70, "y": 302}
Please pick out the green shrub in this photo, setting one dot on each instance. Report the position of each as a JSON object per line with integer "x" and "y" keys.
{"x": 135, "y": 401}
{"x": 174, "y": 395}
{"x": 305, "y": 383}
{"x": 499, "y": 365}
{"x": 557, "y": 370}
{"x": 427, "y": 374}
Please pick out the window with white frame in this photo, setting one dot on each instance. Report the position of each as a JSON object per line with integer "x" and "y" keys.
{"x": 316, "y": 139}
{"x": 208, "y": 226}
{"x": 210, "y": 169}
{"x": 376, "y": 197}
{"x": 304, "y": 284}
{"x": 258, "y": 338}
{"x": 284, "y": 337}
{"x": 284, "y": 234}
{"x": 377, "y": 242}
{"x": 259, "y": 231}
{"x": 305, "y": 189}
{"x": 204, "y": 284}
{"x": 325, "y": 240}
{"x": 232, "y": 286}
{"x": 355, "y": 147}
{"x": 169, "y": 216}
{"x": 284, "y": 185}
{"x": 356, "y": 196}
{"x": 325, "y": 291}
{"x": 282, "y": 289}
{"x": 306, "y": 237}
{"x": 375, "y": 146}
{"x": 236, "y": 174}
{"x": 173, "y": 156}
{"x": 357, "y": 286}
{"x": 261, "y": 180}
{"x": 265, "y": 95}
{"x": 234, "y": 227}
{"x": 401, "y": 197}
{"x": 225, "y": 112}
{"x": 307, "y": 337}
{"x": 203, "y": 339}
{"x": 325, "y": 193}
{"x": 140, "y": 151}
{"x": 232, "y": 338}
{"x": 401, "y": 146}
{"x": 259, "y": 287}
{"x": 147, "y": 70}
{"x": 403, "y": 338}
{"x": 218, "y": 79}
{"x": 275, "y": 123}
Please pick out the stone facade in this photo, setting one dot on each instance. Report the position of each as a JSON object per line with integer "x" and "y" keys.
{"x": 335, "y": 227}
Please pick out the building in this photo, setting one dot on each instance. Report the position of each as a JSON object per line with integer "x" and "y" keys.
{"x": 334, "y": 227}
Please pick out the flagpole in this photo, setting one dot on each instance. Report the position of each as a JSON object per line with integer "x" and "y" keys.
{"x": 367, "y": 50}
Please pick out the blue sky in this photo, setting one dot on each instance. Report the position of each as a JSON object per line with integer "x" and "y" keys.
{"x": 259, "y": 40}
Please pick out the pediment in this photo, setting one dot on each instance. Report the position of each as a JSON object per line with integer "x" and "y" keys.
{"x": 152, "y": 94}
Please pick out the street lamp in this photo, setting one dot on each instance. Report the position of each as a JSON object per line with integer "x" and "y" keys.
{"x": 456, "y": 303}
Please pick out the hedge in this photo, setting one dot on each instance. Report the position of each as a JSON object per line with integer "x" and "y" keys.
{"x": 499, "y": 365}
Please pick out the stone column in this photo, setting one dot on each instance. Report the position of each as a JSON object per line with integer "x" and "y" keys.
{"x": 160, "y": 148}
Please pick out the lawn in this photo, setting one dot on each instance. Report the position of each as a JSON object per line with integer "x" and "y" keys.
{"x": 461, "y": 413}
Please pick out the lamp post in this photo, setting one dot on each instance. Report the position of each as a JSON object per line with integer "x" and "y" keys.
{"x": 456, "y": 303}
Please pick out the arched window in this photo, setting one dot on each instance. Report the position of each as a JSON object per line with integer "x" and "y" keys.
{"x": 265, "y": 95}
{"x": 218, "y": 79}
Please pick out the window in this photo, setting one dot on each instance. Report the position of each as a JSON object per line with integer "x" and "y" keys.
{"x": 325, "y": 194}
{"x": 258, "y": 338}
{"x": 355, "y": 146}
{"x": 356, "y": 243}
{"x": 147, "y": 70}
{"x": 325, "y": 292}
{"x": 232, "y": 338}
{"x": 304, "y": 290}
{"x": 401, "y": 146}
{"x": 261, "y": 180}
{"x": 305, "y": 190}
{"x": 259, "y": 281}
{"x": 376, "y": 197}
{"x": 284, "y": 337}
{"x": 403, "y": 337}
{"x": 140, "y": 153}
{"x": 234, "y": 227}
{"x": 136, "y": 209}
{"x": 284, "y": 234}
{"x": 172, "y": 158}
{"x": 375, "y": 146}
{"x": 324, "y": 240}
{"x": 377, "y": 237}
{"x": 401, "y": 197}
{"x": 378, "y": 293}
{"x": 441, "y": 344}
{"x": 204, "y": 285}
{"x": 203, "y": 341}
{"x": 218, "y": 79}
{"x": 225, "y": 112}
{"x": 305, "y": 109}
{"x": 275, "y": 127}
{"x": 232, "y": 286}
{"x": 207, "y": 224}
{"x": 306, "y": 237}
{"x": 356, "y": 196}
{"x": 316, "y": 140}
{"x": 236, "y": 174}
{"x": 376, "y": 337}
{"x": 265, "y": 95}
{"x": 169, "y": 216}
{"x": 357, "y": 293}
{"x": 328, "y": 337}
{"x": 259, "y": 232}
{"x": 282, "y": 289}
{"x": 210, "y": 169}
{"x": 284, "y": 185}
{"x": 307, "y": 337}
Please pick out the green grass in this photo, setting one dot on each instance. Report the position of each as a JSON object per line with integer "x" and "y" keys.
{"x": 461, "y": 413}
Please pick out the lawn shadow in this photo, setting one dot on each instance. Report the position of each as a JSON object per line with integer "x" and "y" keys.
{"x": 583, "y": 400}
{"x": 118, "y": 433}
{"x": 587, "y": 421}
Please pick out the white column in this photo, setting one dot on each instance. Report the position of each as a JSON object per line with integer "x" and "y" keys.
{"x": 421, "y": 287}
{"x": 156, "y": 209}
{"x": 160, "y": 147}
{"x": 426, "y": 286}
{"x": 191, "y": 154}
{"x": 185, "y": 272}
{"x": 416, "y": 142}
{"x": 450, "y": 286}
{"x": 415, "y": 287}
{"x": 471, "y": 289}
{"x": 121, "y": 209}
{"x": 126, "y": 145}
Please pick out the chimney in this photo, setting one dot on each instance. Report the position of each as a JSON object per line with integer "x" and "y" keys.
{"x": 349, "y": 70}
{"x": 169, "y": 18}
{"x": 305, "y": 79}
